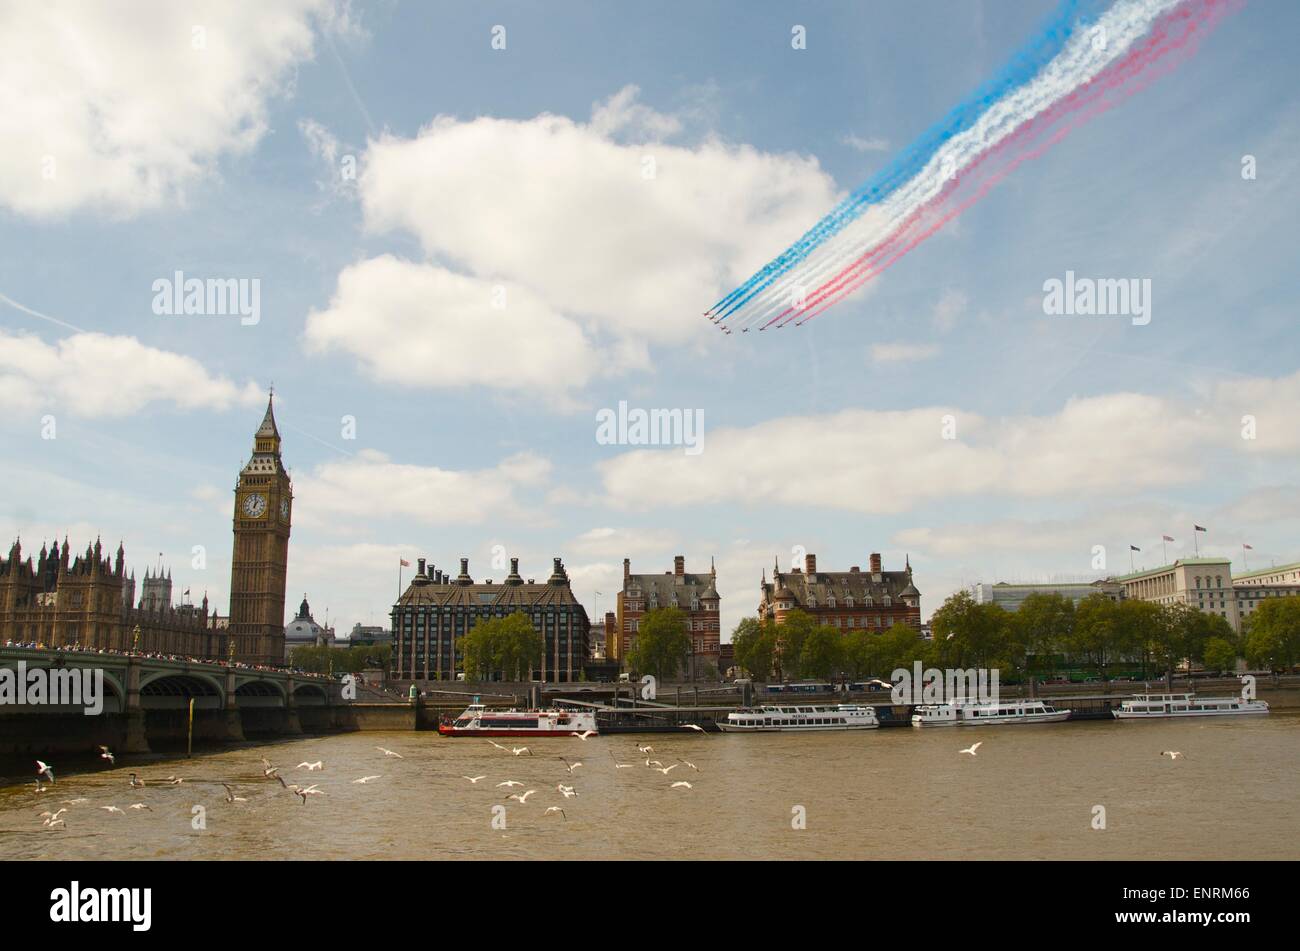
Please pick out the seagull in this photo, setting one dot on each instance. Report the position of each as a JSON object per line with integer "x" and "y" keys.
{"x": 112, "y": 809}
{"x": 74, "y": 802}
{"x": 572, "y": 766}
{"x": 499, "y": 746}
{"x": 652, "y": 762}
{"x": 319, "y": 764}
{"x": 972, "y": 750}
{"x": 105, "y": 754}
{"x": 50, "y": 816}
{"x": 54, "y": 824}
{"x": 230, "y": 795}
{"x": 136, "y": 782}
{"x": 523, "y": 798}
{"x": 174, "y": 780}
{"x": 617, "y": 764}
{"x": 665, "y": 769}
{"x": 389, "y": 752}
{"x": 270, "y": 770}
{"x": 44, "y": 769}
{"x": 473, "y": 779}
{"x": 690, "y": 764}
{"x": 568, "y": 792}
{"x": 682, "y": 782}
{"x": 1172, "y": 754}
{"x": 694, "y": 726}
{"x": 508, "y": 783}
{"x": 583, "y": 735}
{"x": 365, "y": 779}
{"x": 521, "y": 749}
{"x": 555, "y": 809}
{"x": 303, "y": 792}
{"x": 645, "y": 749}
{"x": 139, "y": 805}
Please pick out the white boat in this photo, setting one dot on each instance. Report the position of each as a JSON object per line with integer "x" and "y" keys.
{"x": 993, "y": 713}
{"x": 801, "y": 719}
{"x": 478, "y": 720}
{"x": 1152, "y": 706}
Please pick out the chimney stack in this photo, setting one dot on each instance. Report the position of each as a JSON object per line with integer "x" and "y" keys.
{"x": 514, "y": 566}
{"x": 679, "y": 565}
{"x": 420, "y": 571}
{"x": 627, "y": 569}
{"x": 810, "y": 564}
{"x": 875, "y": 563}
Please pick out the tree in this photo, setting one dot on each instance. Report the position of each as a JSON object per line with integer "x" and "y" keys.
{"x": 821, "y": 653}
{"x": 662, "y": 643}
{"x": 790, "y": 635}
{"x": 1042, "y": 625}
{"x": 510, "y": 646}
{"x": 1220, "y": 654}
{"x": 967, "y": 634}
{"x": 755, "y": 647}
{"x": 861, "y": 653}
{"x": 1273, "y": 634}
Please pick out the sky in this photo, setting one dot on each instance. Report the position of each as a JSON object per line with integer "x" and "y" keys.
{"x": 465, "y": 253}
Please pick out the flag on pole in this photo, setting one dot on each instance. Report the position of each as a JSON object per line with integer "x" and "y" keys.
{"x": 1134, "y": 548}
{"x": 404, "y": 563}
{"x": 1166, "y": 538}
{"x": 1247, "y": 547}
{"x": 1200, "y": 528}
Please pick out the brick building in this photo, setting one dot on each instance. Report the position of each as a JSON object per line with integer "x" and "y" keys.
{"x": 874, "y": 600}
{"x": 696, "y": 595}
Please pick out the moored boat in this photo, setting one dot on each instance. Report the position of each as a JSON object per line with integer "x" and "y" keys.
{"x": 990, "y": 713}
{"x": 1152, "y": 706}
{"x": 478, "y": 720}
{"x": 801, "y": 718}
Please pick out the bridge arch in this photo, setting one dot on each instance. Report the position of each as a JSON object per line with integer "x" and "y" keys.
{"x": 114, "y": 698}
{"x": 168, "y": 689}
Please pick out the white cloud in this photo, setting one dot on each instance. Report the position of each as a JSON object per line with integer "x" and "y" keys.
{"x": 564, "y": 210}
{"x": 901, "y": 352}
{"x": 120, "y": 109}
{"x": 1114, "y": 443}
{"x": 624, "y": 543}
{"x": 84, "y": 374}
{"x": 951, "y": 305}
{"x": 622, "y": 114}
{"x": 422, "y": 325}
{"x": 371, "y": 486}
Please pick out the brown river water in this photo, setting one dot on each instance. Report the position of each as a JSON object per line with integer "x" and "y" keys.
{"x": 1031, "y": 792}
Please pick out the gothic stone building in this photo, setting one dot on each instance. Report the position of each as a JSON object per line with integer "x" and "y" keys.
{"x": 60, "y": 601}
{"x": 696, "y": 596}
{"x": 436, "y": 611}
{"x": 849, "y": 600}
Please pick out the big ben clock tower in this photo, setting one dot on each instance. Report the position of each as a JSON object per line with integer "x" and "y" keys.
{"x": 263, "y": 504}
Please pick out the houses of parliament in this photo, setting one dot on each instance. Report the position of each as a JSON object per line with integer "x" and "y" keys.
{"x": 89, "y": 601}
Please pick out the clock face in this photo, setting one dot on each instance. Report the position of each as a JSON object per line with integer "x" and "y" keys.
{"x": 254, "y": 505}
{"x": 284, "y": 510}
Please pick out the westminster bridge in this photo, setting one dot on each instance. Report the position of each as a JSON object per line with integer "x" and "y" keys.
{"x": 146, "y": 702}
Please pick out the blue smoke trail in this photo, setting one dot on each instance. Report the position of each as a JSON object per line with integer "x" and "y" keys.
{"x": 1069, "y": 17}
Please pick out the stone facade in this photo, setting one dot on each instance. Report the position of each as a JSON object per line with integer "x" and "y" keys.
{"x": 849, "y": 600}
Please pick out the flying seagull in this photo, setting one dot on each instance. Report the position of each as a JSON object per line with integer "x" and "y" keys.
{"x": 694, "y": 726}
{"x": 522, "y": 797}
{"x": 583, "y": 735}
{"x": 139, "y": 805}
{"x": 1172, "y": 754}
{"x": 230, "y": 795}
{"x": 112, "y": 809}
{"x": 572, "y": 766}
{"x": 972, "y": 750}
{"x": 44, "y": 769}
{"x": 136, "y": 782}
{"x": 365, "y": 779}
{"x": 568, "y": 792}
{"x": 682, "y": 783}
{"x": 319, "y": 764}
{"x": 508, "y": 783}
{"x": 105, "y": 754}
{"x": 645, "y": 749}
{"x": 473, "y": 779}
{"x": 389, "y": 752}
{"x": 551, "y": 809}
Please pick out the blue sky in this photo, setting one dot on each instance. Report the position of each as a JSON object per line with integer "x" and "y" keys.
{"x": 475, "y": 427}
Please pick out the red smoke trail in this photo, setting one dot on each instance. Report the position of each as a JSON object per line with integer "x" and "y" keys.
{"x": 1177, "y": 32}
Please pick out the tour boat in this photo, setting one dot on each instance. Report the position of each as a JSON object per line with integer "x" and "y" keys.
{"x": 477, "y": 720}
{"x": 987, "y": 714}
{"x": 1145, "y": 706}
{"x": 770, "y": 719}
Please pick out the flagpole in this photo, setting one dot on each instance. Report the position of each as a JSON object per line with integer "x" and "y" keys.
{"x": 1196, "y": 545}
{"x": 1164, "y": 551}
{"x": 399, "y": 579}
{"x": 1245, "y": 559}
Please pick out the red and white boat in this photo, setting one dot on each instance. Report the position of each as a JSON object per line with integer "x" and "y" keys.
{"x": 478, "y": 720}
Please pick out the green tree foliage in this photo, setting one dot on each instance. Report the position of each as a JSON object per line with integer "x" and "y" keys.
{"x": 790, "y": 635}
{"x": 341, "y": 660}
{"x": 508, "y": 646}
{"x": 820, "y": 655}
{"x": 967, "y": 634}
{"x": 662, "y": 643}
{"x": 1273, "y": 634}
{"x": 754, "y": 643}
{"x": 1220, "y": 654}
{"x": 1042, "y": 625}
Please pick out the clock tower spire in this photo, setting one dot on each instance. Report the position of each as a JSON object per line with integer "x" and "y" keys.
{"x": 259, "y": 563}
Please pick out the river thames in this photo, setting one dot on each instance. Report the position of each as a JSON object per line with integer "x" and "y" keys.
{"x": 1031, "y": 792}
